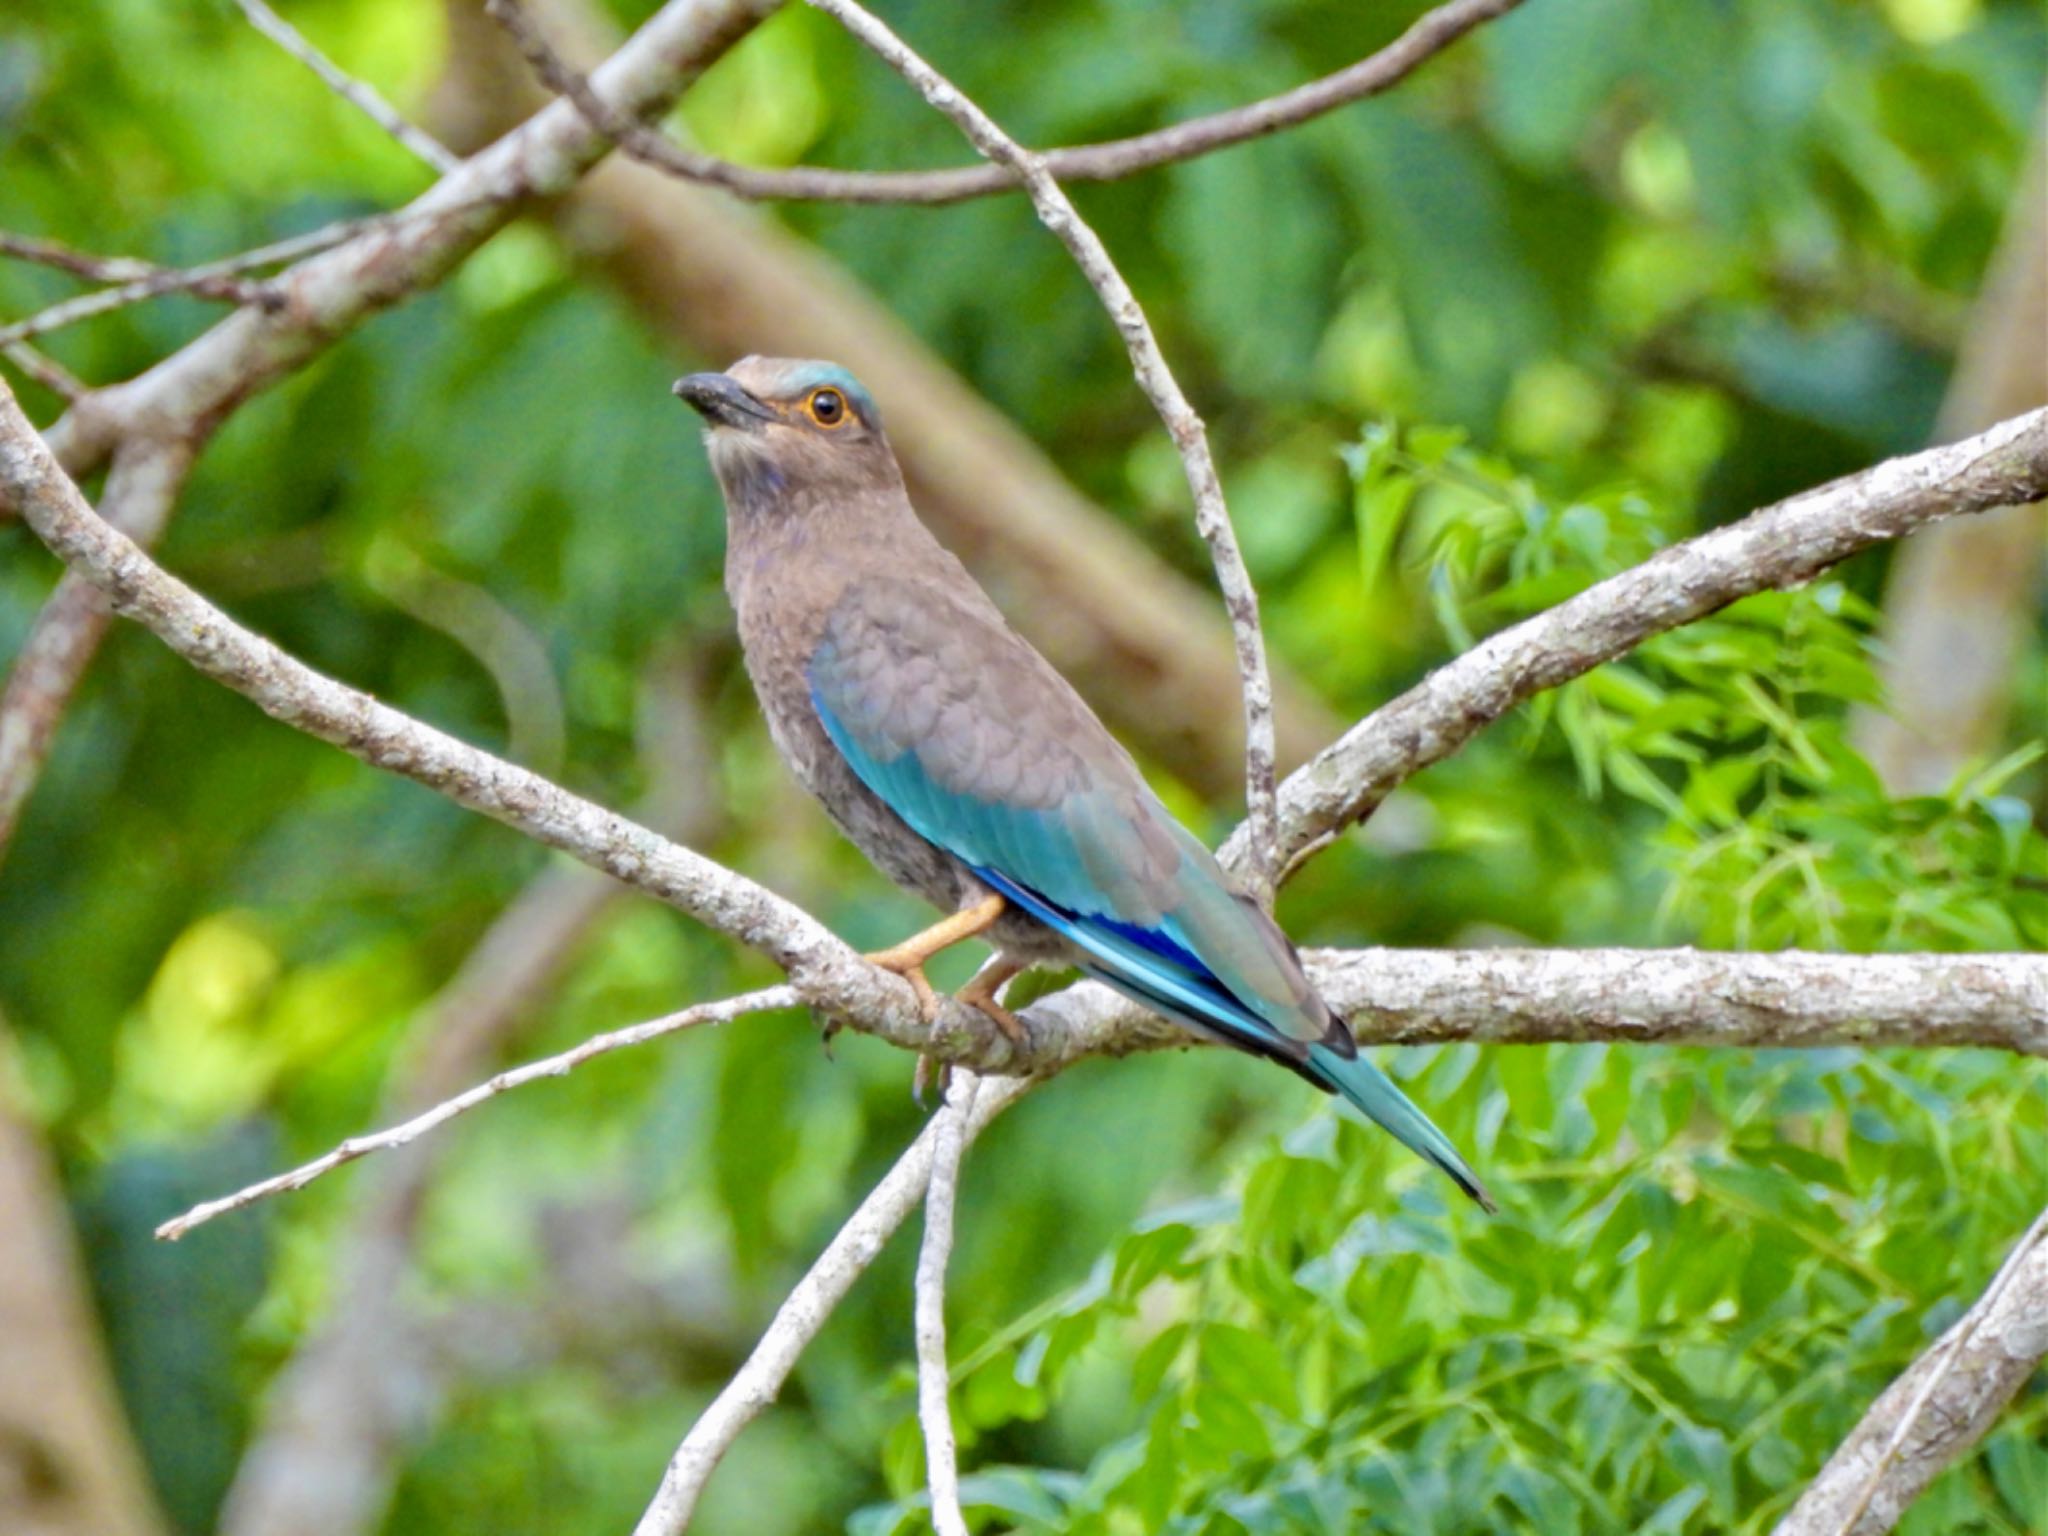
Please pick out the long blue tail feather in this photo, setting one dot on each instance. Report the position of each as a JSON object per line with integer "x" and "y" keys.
{"x": 1147, "y": 969}
{"x": 1365, "y": 1085}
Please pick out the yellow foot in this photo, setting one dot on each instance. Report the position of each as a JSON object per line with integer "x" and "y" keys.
{"x": 911, "y": 969}
{"x": 907, "y": 959}
{"x": 981, "y": 993}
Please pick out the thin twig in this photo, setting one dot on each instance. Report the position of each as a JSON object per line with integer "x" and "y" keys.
{"x": 207, "y": 277}
{"x": 558, "y": 1065}
{"x": 1149, "y": 365}
{"x": 805, "y": 1310}
{"x": 357, "y": 93}
{"x": 1113, "y": 160}
{"x": 46, "y": 371}
{"x": 1784, "y": 1000}
{"x": 207, "y": 284}
{"x": 934, "y": 1380}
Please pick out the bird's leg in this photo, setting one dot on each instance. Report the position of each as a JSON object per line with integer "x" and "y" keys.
{"x": 907, "y": 959}
{"x": 981, "y": 993}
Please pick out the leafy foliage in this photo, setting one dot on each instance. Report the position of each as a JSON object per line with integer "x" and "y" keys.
{"x": 1701, "y": 1278}
{"x": 1699, "y": 1282}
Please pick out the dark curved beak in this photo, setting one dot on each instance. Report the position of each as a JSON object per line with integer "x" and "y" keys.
{"x": 721, "y": 400}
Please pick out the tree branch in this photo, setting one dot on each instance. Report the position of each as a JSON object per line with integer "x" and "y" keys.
{"x": 1796, "y": 537}
{"x": 423, "y": 146}
{"x": 934, "y": 1380}
{"x": 559, "y": 1065}
{"x": 1941, "y": 1406}
{"x": 328, "y": 295}
{"x": 222, "y": 285}
{"x": 1779, "y": 546}
{"x": 804, "y": 1311}
{"x": 163, "y": 280}
{"x": 1788, "y": 1000}
{"x": 184, "y": 399}
{"x": 142, "y": 488}
{"x": 1113, "y": 160}
{"x": 48, "y": 372}
{"x": 1056, "y": 211}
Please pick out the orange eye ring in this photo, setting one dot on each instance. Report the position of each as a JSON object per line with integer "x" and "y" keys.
{"x": 827, "y": 407}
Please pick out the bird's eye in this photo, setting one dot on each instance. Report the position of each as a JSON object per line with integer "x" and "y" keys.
{"x": 827, "y": 407}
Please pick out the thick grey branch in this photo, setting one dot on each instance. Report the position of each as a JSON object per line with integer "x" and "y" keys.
{"x": 1056, "y": 211}
{"x": 1427, "y": 36}
{"x": 1941, "y": 1406}
{"x": 1689, "y": 997}
{"x": 1779, "y": 546}
{"x": 142, "y": 488}
{"x": 1789, "y": 1000}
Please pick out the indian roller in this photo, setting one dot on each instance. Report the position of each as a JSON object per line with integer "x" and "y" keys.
{"x": 966, "y": 768}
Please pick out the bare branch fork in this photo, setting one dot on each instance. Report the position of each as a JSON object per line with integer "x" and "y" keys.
{"x": 127, "y": 269}
{"x": 203, "y": 279}
{"x": 1427, "y": 36}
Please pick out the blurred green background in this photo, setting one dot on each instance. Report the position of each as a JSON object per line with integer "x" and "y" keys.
{"x": 1607, "y": 273}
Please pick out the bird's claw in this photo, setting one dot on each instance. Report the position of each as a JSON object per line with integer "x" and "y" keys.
{"x": 929, "y": 1070}
{"x": 911, "y": 969}
{"x": 1014, "y": 1029}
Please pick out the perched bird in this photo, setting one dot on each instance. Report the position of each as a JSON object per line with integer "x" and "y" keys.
{"x": 968, "y": 769}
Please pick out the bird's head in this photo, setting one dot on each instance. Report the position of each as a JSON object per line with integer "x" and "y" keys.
{"x": 789, "y": 429}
